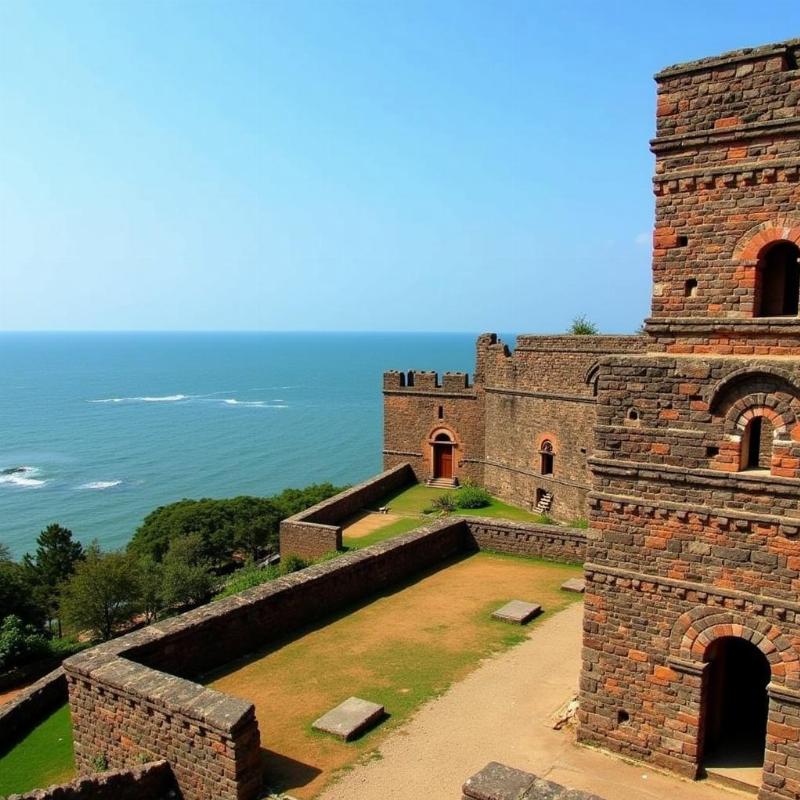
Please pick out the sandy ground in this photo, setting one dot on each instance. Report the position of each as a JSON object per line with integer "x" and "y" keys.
{"x": 501, "y": 712}
{"x": 400, "y": 649}
{"x": 367, "y": 523}
{"x": 10, "y": 694}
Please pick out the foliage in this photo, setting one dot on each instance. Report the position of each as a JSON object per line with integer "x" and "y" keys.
{"x": 580, "y": 522}
{"x": 471, "y": 496}
{"x": 445, "y": 502}
{"x": 20, "y": 643}
{"x": 56, "y": 555}
{"x": 252, "y": 575}
{"x": 103, "y": 593}
{"x": 187, "y": 578}
{"x": 583, "y": 326}
{"x": 17, "y": 595}
{"x": 151, "y": 587}
{"x": 248, "y": 524}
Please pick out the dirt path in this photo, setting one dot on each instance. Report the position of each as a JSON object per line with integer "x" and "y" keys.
{"x": 367, "y": 523}
{"x": 10, "y": 694}
{"x": 500, "y": 713}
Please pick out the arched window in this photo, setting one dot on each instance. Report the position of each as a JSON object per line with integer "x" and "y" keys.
{"x": 778, "y": 281}
{"x": 546, "y": 455}
{"x": 757, "y": 444}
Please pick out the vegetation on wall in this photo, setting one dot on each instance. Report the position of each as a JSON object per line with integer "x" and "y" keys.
{"x": 583, "y": 326}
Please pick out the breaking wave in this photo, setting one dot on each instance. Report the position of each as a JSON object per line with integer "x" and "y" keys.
{"x": 99, "y": 485}
{"x": 23, "y": 477}
{"x": 169, "y": 398}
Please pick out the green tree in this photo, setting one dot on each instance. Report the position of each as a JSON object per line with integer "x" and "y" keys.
{"x": 20, "y": 643}
{"x": 151, "y": 587}
{"x": 103, "y": 593}
{"x": 17, "y": 595}
{"x": 583, "y": 326}
{"x": 56, "y": 555}
{"x": 255, "y": 524}
{"x": 187, "y": 578}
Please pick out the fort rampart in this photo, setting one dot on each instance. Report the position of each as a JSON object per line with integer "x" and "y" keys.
{"x": 134, "y": 698}
{"x": 317, "y": 530}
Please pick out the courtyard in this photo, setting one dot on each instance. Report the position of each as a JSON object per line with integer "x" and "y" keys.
{"x": 400, "y": 649}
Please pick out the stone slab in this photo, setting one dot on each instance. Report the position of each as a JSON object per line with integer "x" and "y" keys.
{"x": 499, "y": 782}
{"x": 574, "y": 585}
{"x": 518, "y": 612}
{"x": 349, "y": 718}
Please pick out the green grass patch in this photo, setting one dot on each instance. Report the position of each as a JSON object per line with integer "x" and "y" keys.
{"x": 415, "y": 499}
{"x": 42, "y": 758}
{"x": 387, "y": 532}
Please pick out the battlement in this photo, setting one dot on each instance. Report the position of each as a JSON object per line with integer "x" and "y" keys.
{"x": 738, "y": 93}
{"x": 427, "y": 381}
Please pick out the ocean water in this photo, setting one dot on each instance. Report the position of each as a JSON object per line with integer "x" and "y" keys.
{"x": 96, "y": 430}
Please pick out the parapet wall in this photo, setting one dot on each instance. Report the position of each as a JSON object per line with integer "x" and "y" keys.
{"x": 133, "y": 698}
{"x": 153, "y": 781}
{"x": 426, "y": 381}
{"x": 127, "y": 702}
{"x": 31, "y": 706}
{"x": 317, "y": 530}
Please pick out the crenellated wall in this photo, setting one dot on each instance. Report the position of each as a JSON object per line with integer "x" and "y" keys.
{"x": 542, "y": 391}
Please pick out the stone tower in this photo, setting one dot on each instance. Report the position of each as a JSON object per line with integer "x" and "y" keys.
{"x": 692, "y": 620}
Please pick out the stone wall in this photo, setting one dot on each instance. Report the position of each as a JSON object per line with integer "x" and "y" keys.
{"x": 31, "y": 706}
{"x": 688, "y": 549}
{"x": 131, "y": 698}
{"x": 549, "y": 542}
{"x": 317, "y": 531}
{"x": 134, "y": 698}
{"x": 543, "y": 391}
{"x": 152, "y": 781}
{"x": 499, "y": 782}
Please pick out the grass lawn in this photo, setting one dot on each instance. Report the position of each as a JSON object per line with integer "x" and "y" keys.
{"x": 411, "y": 502}
{"x": 400, "y": 649}
{"x": 42, "y": 758}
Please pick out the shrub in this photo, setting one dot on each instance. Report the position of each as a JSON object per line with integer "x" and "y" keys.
{"x": 20, "y": 643}
{"x": 582, "y": 326}
{"x": 445, "y": 502}
{"x": 580, "y": 522}
{"x": 470, "y": 496}
{"x": 292, "y": 564}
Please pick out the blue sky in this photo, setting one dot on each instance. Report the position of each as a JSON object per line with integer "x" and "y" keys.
{"x": 325, "y": 165}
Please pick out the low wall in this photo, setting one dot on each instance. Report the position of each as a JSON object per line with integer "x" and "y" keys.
{"x": 498, "y": 782}
{"x": 550, "y": 542}
{"x": 130, "y": 698}
{"x": 152, "y": 781}
{"x": 31, "y": 706}
{"x": 317, "y": 530}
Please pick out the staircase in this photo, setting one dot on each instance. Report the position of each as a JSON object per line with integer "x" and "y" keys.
{"x": 442, "y": 483}
{"x": 545, "y": 501}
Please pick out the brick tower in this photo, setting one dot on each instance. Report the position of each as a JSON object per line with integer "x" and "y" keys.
{"x": 692, "y": 621}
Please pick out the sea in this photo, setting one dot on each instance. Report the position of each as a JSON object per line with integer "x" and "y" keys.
{"x": 97, "y": 430}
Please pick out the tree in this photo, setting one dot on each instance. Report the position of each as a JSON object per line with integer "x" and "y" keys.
{"x": 151, "y": 588}
{"x": 20, "y": 643}
{"x": 17, "y": 595}
{"x": 583, "y": 326}
{"x": 57, "y": 553}
{"x": 103, "y": 593}
{"x": 187, "y": 577}
{"x": 255, "y": 524}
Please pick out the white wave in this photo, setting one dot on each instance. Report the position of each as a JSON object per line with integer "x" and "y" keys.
{"x": 99, "y": 484}
{"x": 169, "y": 398}
{"x": 231, "y": 401}
{"x": 23, "y": 477}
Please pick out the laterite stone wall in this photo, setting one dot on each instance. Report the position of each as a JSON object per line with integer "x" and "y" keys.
{"x": 687, "y": 545}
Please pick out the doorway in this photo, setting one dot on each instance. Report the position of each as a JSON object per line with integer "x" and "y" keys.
{"x": 736, "y": 706}
{"x": 443, "y": 457}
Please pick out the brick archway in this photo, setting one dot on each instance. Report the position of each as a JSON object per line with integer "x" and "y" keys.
{"x": 695, "y": 631}
{"x": 751, "y": 245}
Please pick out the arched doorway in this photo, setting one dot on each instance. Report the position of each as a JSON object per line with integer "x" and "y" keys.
{"x": 442, "y": 456}
{"x": 778, "y": 281}
{"x": 735, "y": 704}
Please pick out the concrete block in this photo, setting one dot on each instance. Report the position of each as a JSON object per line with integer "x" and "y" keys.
{"x": 350, "y": 718}
{"x": 518, "y": 612}
{"x": 574, "y": 585}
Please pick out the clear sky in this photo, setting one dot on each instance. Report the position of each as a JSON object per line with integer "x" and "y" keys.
{"x": 321, "y": 165}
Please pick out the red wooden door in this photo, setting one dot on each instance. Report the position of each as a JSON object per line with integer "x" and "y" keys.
{"x": 443, "y": 461}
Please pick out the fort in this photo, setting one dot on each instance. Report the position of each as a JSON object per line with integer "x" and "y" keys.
{"x": 680, "y": 445}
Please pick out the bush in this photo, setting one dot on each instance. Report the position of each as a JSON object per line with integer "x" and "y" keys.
{"x": 251, "y": 575}
{"x": 292, "y": 564}
{"x": 445, "y": 502}
{"x": 582, "y": 326}
{"x": 470, "y": 496}
{"x": 20, "y": 643}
